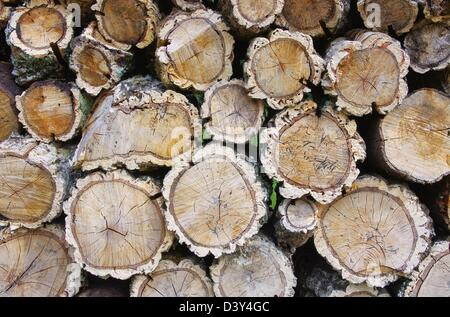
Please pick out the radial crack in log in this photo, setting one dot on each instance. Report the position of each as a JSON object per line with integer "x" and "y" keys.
{"x": 188, "y": 5}
{"x": 9, "y": 123}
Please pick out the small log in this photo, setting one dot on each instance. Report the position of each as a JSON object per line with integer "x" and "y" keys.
{"x": 37, "y": 263}
{"x": 232, "y": 115}
{"x": 31, "y": 181}
{"x": 216, "y": 204}
{"x": 259, "y": 269}
{"x": 171, "y": 279}
{"x": 311, "y": 154}
{"x": 198, "y": 58}
{"x": 127, "y": 23}
{"x": 432, "y": 277}
{"x": 398, "y": 14}
{"x": 374, "y": 233}
{"x": 116, "y": 224}
{"x": 428, "y": 45}
{"x": 315, "y": 18}
{"x": 168, "y": 126}
{"x": 188, "y": 5}
{"x": 446, "y": 80}
{"x": 96, "y": 62}
{"x": 278, "y": 68}
{"x": 368, "y": 72}
{"x": 9, "y": 122}
{"x": 437, "y": 10}
{"x": 412, "y": 142}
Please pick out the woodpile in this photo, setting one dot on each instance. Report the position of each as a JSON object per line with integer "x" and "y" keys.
{"x": 230, "y": 148}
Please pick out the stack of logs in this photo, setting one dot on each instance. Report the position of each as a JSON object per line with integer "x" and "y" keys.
{"x": 205, "y": 148}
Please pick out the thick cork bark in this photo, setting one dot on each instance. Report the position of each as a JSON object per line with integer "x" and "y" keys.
{"x": 231, "y": 115}
{"x": 188, "y": 5}
{"x": 375, "y": 233}
{"x": 259, "y": 269}
{"x": 194, "y": 50}
{"x": 9, "y": 123}
{"x": 37, "y": 263}
{"x": 172, "y": 279}
{"x": 138, "y": 125}
{"x": 279, "y": 68}
{"x": 216, "y": 203}
{"x": 412, "y": 142}
{"x": 311, "y": 154}
{"x": 116, "y": 224}
{"x": 437, "y": 10}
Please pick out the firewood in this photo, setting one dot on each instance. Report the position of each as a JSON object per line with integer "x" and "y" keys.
{"x": 412, "y": 142}
{"x": 312, "y": 154}
{"x": 9, "y": 122}
{"x": 368, "y": 72}
{"x": 188, "y": 5}
{"x": 279, "y": 68}
{"x": 437, "y": 10}
{"x": 259, "y": 269}
{"x": 116, "y": 224}
{"x": 374, "y": 233}
{"x": 231, "y": 114}
{"x": 37, "y": 263}
{"x": 217, "y": 203}
{"x": 171, "y": 279}
{"x": 194, "y": 50}
{"x": 138, "y": 125}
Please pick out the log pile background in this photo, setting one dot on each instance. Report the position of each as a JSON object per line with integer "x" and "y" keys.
{"x": 224, "y": 148}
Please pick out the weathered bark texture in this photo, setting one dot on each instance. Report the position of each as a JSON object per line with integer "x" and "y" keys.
{"x": 188, "y": 5}
{"x": 9, "y": 122}
{"x": 437, "y": 10}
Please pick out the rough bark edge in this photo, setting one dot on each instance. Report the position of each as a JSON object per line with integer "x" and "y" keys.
{"x": 429, "y": 15}
{"x": 139, "y": 280}
{"x": 317, "y": 65}
{"x": 284, "y": 219}
{"x": 206, "y": 113}
{"x": 50, "y": 159}
{"x": 422, "y": 223}
{"x": 270, "y": 138}
{"x": 361, "y": 288}
{"x": 186, "y": 6}
{"x": 285, "y": 263}
{"x": 213, "y": 151}
{"x": 168, "y": 73}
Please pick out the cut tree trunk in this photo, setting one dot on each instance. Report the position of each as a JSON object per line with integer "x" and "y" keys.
{"x": 374, "y": 233}
{"x": 116, "y": 224}
{"x": 413, "y": 142}
{"x": 138, "y": 125}
{"x": 259, "y": 269}
{"x": 97, "y": 64}
{"x": 9, "y": 122}
{"x": 37, "y": 263}
{"x": 171, "y": 279}
{"x": 231, "y": 114}
{"x": 217, "y": 203}
{"x": 368, "y": 72}
{"x": 380, "y": 15}
{"x": 127, "y": 23}
{"x": 194, "y": 50}
{"x": 52, "y": 110}
{"x": 428, "y": 45}
{"x": 280, "y": 68}
{"x": 311, "y": 154}
{"x": 315, "y": 18}
{"x": 437, "y": 10}
{"x": 32, "y": 183}
{"x": 188, "y": 5}
{"x": 39, "y": 36}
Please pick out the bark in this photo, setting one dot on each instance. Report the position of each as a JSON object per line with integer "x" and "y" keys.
{"x": 9, "y": 122}
{"x": 437, "y": 10}
{"x": 188, "y": 5}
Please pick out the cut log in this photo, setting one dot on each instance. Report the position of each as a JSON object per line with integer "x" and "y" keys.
{"x": 171, "y": 279}
{"x": 368, "y": 72}
{"x": 428, "y": 45}
{"x": 97, "y": 63}
{"x": 250, "y": 17}
{"x": 35, "y": 34}
{"x": 413, "y": 141}
{"x": 9, "y": 123}
{"x": 194, "y": 50}
{"x": 138, "y": 125}
{"x": 116, "y": 224}
{"x": 374, "y": 233}
{"x": 32, "y": 183}
{"x": 188, "y": 5}
{"x": 314, "y": 17}
{"x": 432, "y": 277}
{"x": 446, "y": 80}
{"x": 379, "y": 15}
{"x": 258, "y": 269}
{"x": 310, "y": 154}
{"x": 37, "y": 263}
{"x": 437, "y": 10}
{"x": 127, "y": 23}
{"x": 279, "y": 67}
{"x": 232, "y": 115}
{"x": 216, "y": 204}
